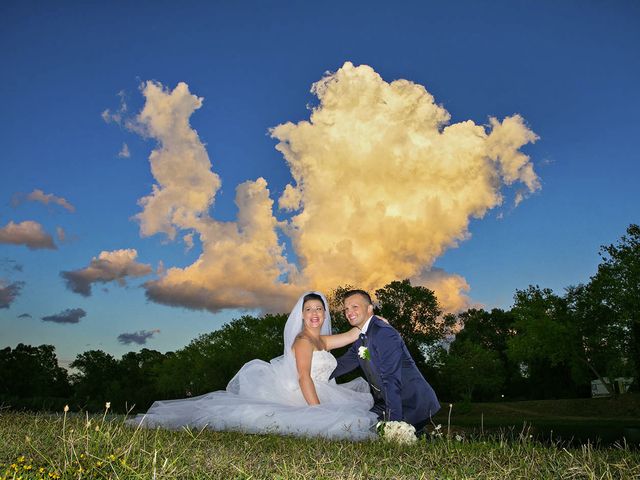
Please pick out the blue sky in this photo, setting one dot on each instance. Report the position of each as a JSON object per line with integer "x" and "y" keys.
{"x": 570, "y": 69}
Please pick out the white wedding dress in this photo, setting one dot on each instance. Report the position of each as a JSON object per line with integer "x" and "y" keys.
{"x": 265, "y": 397}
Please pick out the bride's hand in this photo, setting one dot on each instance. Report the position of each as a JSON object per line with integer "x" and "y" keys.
{"x": 354, "y": 333}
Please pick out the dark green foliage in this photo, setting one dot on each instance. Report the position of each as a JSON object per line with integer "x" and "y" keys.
{"x": 415, "y": 313}
{"x": 477, "y": 366}
{"x": 616, "y": 286}
{"x": 30, "y": 377}
{"x": 546, "y": 346}
{"x": 97, "y": 380}
{"x": 211, "y": 360}
{"x": 473, "y": 369}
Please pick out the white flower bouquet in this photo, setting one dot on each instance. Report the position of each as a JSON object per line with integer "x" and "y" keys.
{"x": 400, "y": 432}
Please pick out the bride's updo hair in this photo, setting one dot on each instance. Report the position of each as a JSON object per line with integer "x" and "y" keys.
{"x": 312, "y": 296}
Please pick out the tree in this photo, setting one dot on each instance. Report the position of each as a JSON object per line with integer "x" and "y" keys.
{"x": 491, "y": 331}
{"x": 30, "y": 376}
{"x": 601, "y": 337}
{"x": 97, "y": 380}
{"x": 212, "y": 359}
{"x": 617, "y": 286}
{"x": 471, "y": 368}
{"x": 415, "y": 313}
{"x": 547, "y": 343}
{"x": 138, "y": 378}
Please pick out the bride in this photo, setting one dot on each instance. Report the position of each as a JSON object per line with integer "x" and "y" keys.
{"x": 290, "y": 395}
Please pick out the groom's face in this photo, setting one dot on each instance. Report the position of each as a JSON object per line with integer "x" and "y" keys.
{"x": 357, "y": 310}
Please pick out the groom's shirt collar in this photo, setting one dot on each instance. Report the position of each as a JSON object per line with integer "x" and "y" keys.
{"x": 366, "y": 325}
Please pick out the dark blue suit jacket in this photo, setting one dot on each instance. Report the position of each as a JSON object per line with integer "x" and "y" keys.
{"x": 407, "y": 395}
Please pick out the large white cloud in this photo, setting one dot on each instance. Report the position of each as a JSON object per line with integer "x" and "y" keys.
{"x": 116, "y": 266}
{"x": 382, "y": 186}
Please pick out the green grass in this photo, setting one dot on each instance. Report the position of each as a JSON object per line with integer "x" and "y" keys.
{"x": 76, "y": 446}
{"x": 602, "y": 419}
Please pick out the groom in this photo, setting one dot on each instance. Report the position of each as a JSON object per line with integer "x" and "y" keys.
{"x": 399, "y": 390}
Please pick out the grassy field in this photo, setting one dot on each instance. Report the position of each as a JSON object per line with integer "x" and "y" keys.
{"x": 45, "y": 446}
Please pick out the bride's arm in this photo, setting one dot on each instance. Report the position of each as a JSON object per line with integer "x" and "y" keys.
{"x": 303, "y": 350}
{"x": 340, "y": 339}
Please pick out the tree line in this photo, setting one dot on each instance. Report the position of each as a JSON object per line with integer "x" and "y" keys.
{"x": 545, "y": 346}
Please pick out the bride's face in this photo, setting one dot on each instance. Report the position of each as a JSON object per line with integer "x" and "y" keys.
{"x": 313, "y": 313}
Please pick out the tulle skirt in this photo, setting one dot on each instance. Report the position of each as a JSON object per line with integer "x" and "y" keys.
{"x": 264, "y": 397}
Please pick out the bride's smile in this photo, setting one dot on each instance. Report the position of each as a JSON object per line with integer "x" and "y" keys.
{"x": 313, "y": 314}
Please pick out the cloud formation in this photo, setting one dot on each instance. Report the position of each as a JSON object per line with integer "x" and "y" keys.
{"x": 140, "y": 337}
{"x": 24, "y": 315}
{"x": 27, "y": 233}
{"x": 44, "y": 198}
{"x": 9, "y": 292}
{"x": 124, "y": 151}
{"x": 383, "y": 184}
{"x": 241, "y": 262}
{"x": 107, "y": 267}
{"x": 70, "y": 315}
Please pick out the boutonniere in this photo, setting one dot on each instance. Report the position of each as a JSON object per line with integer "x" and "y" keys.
{"x": 363, "y": 352}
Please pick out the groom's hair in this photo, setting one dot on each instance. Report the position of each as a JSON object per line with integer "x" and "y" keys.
{"x": 364, "y": 294}
{"x": 312, "y": 296}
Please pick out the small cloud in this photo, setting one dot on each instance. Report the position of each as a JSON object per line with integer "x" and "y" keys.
{"x": 9, "y": 292}
{"x": 109, "y": 266}
{"x": 124, "y": 151}
{"x": 109, "y": 117}
{"x": 188, "y": 241}
{"x": 45, "y": 198}
{"x": 9, "y": 265}
{"x": 140, "y": 337}
{"x": 60, "y": 234}
{"x": 70, "y": 315}
{"x": 25, "y": 315}
{"x": 118, "y": 116}
{"x": 27, "y": 233}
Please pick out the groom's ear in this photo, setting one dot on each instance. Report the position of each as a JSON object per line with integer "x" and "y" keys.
{"x": 370, "y": 309}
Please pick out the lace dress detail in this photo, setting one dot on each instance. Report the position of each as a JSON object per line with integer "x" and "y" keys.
{"x": 322, "y": 366}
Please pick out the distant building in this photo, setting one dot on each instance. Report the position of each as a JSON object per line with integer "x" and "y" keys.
{"x": 620, "y": 385}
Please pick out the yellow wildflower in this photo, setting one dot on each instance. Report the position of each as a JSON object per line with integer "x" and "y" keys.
{"x": 21, "y": 459}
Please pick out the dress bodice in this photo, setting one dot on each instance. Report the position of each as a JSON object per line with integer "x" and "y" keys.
{"x": 322, "y": 366}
